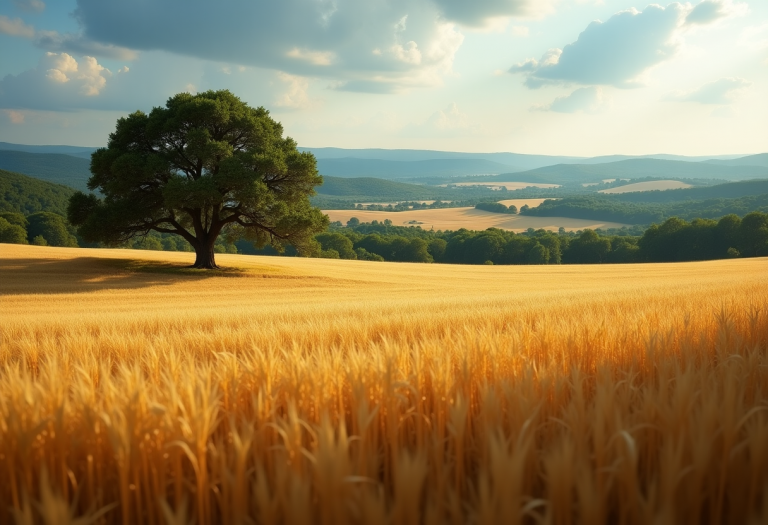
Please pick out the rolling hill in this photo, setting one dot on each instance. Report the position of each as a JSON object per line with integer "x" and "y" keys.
{"x": 731, "y": 190}
{"x": 51, "y": 167}
{"x": 23, "y": 194}
{"x": 400, "y": 169}
{"x": 75, "y": 151}
{"x": 368, "y": 187}
{"x": 761, "y": 159}
{"x": 634, "y": 169}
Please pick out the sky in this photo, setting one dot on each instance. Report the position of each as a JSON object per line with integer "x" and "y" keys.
{"x": 552, "y": 77}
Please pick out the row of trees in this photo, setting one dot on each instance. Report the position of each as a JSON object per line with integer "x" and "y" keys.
{"x": 496, "y": 207}
{"x": 673, "y": 240}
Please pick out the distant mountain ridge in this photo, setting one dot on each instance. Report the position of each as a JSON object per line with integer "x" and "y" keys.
{"x": 761, "y": 159}
{"x": 400, "y": 169}
{"x": 75, "y": 151}
{"x": 70, "y": 165}
{"x": 634, "y": 169}
{"x": 52, "y": 167}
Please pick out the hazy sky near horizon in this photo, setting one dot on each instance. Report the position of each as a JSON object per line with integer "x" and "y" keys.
{"x": 558, "y": 77}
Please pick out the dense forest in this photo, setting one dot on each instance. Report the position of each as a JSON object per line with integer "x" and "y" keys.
{"x": 26, "y": 195}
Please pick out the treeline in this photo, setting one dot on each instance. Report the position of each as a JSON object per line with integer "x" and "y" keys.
{"x": 52, "y": 229}
{"x": 673, "y": 240}
{"x": 604, "y": 208}
{"x": 496, "y": 207}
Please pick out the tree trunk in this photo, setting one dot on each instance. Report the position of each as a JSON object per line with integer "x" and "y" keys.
{"x": 205, "y": 256}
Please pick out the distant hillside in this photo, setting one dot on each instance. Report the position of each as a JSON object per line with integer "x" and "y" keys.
{"x": 75, "y": 151}
{"x": 761, "y": 159}
{"x": 610, "y": 208}
{"x": 400, "y": 169}
{"x": 27, "y": 195}
{"x": 52, "y": 167}
{"x": 634, "y": 169}
{"x": 520, "y": 160}
{"x": 731, "y": 190}
{"x": 380, "y": 189}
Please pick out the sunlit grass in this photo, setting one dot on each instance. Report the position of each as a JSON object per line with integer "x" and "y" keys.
{"x": 358, "y": 392}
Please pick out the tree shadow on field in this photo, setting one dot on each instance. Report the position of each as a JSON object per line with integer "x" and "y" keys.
{"x": 89, "y": 274}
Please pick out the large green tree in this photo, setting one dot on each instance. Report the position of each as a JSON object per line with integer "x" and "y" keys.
{"x": 202, "y": 166}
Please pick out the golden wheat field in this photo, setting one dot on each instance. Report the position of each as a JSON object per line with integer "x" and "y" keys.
{"x": 287, "y": 390}
{"x": 470, "y": 218}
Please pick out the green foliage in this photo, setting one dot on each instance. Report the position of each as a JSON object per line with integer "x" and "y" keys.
{"x": 15, "y": 218}
{"x": 587, "y": 248}
{"x": 337, "y": 242}
{"x": 704, "y": 239}
{"x": 496, "y": 207}
{"x": 26, "y": 195}
{"x": 202, "y": 166}
{"x": 51, "y": 227}
{"x": 39, "y": 240}
{"x": 538, "y": 254}
{"x": 365, "y": 255}
{"x": 11, "y": 233}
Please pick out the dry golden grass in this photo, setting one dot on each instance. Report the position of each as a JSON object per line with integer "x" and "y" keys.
{"x": 470, "y": 218}
{"x": 519, "y": 203}
{"x": 648, "y": 186}
{"x": 317, "y": 391}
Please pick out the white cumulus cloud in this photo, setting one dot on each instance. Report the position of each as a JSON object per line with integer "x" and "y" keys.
{"x": 616, "y": 52}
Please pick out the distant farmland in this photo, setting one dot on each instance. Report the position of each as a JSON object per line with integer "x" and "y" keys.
{"x": 469, "y": 218}
{"x": 649, "y": 186}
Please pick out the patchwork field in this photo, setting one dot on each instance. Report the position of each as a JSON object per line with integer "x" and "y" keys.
{"x": 288, "y": 390}
{"x": 648, "y": 186}
{"x": 470, "y": 218}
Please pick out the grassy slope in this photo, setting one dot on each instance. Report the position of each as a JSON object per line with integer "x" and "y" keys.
{"x": 586, "y": 391}
{"x": 29, "y": 195}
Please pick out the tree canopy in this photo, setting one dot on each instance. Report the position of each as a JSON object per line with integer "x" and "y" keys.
{"x": 202, "y": 166}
